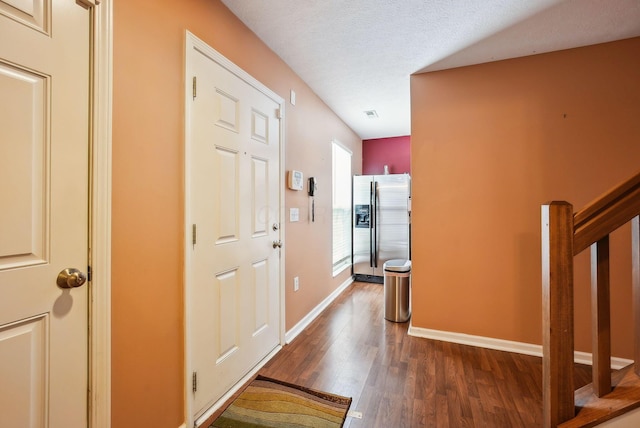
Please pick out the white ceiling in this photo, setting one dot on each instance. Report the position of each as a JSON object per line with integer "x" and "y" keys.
{"x": 358, "y": 55}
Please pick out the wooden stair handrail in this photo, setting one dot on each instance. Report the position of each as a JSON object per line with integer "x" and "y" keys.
{"x": 606, "y": 214}
{"x": 564, "y": 235}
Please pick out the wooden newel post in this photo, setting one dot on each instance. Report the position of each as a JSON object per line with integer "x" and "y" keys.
{"x": 557, "y": 313}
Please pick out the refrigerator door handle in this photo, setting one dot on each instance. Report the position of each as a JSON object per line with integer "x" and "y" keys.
{"x": 371, "y": 222}
{"x": 374, "y": 222}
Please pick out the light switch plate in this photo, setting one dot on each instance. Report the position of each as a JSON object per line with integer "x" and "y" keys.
{"x": 294, "y": 214}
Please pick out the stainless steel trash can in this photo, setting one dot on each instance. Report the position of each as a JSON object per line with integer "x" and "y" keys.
{"x": 397, "y": 281}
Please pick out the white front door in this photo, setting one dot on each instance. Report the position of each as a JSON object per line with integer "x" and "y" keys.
{"x": 44, "y": 154}
{"x": 233, "y": 221}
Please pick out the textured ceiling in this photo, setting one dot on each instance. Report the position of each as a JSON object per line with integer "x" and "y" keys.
{"x": 358, "y": 55}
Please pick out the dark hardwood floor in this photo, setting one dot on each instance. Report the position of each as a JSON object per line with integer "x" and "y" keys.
{"x": 401, "y": 381}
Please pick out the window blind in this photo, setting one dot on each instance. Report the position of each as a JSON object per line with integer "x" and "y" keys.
{"x": 341, "y": 191}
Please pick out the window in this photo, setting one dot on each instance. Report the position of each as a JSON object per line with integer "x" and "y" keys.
{"x": 341, "y": 187}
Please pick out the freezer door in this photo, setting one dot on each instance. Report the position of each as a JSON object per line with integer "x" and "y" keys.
{"x": 363, "y": 225}
{"x": 392, "y": 219}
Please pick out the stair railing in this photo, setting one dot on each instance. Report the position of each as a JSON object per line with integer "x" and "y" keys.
{"x": 564, "y": 235}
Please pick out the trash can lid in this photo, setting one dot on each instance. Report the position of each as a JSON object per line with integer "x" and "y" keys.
{"x": 397, "y": 265}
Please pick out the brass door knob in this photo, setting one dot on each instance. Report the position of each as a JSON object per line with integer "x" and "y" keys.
{"x": 71, "y": 278}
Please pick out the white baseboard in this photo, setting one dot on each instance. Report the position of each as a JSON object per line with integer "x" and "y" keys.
{"x": 308, "y": 319}
{"x": 207, "y": 414}
{"x": 504, "y": 345}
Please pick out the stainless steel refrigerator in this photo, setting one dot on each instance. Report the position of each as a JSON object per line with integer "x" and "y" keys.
{"x": 381, "y": 223}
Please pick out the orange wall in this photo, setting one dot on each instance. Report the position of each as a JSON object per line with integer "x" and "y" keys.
{"x": 490, "y": 144}
{"x": 147, "y": 273}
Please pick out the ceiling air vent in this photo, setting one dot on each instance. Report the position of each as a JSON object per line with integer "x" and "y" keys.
{"x": 371, "y": 114}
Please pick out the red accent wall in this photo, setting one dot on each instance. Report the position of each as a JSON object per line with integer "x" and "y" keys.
{"x": 394, "y": 152}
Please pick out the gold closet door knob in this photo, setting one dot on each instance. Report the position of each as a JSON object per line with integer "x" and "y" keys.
{"x": 71, "y": 278}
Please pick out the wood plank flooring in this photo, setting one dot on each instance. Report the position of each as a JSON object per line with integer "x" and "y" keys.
{"x": 401, "y": 381}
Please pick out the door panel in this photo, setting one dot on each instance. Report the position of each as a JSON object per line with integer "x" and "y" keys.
{"x": 25, "y": 344}
{"x": 44, "y": 176}
{"x": 260, "y": 303}
{"x": 225, "y": 176}
{"x": 227, "y": 321}
{"x": 233, "y": 189}
{"x": 32, "y": 13}
{"x": 23, "y": 226}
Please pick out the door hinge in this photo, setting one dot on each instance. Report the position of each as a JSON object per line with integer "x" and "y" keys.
{"x": 87, "y": 4}
{"x": 195, "y": 84}
{"x": 279, "y": 113}
{"x": 194, "y": 235}
{"x": 194, "y": 381}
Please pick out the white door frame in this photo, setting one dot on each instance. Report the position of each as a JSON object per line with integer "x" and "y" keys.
{"x": 100, "y": 213}
{"x": 191, "y": 43}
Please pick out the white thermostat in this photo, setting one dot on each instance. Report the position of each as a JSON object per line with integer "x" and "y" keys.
{"x": 296, "y": 180}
